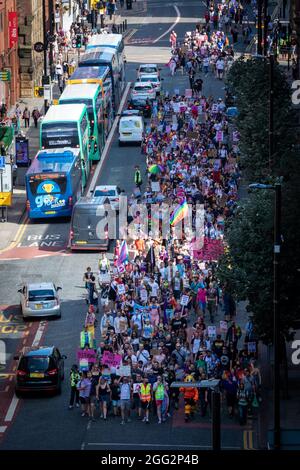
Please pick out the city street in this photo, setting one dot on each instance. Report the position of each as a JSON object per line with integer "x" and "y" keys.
{"x": 41, "y": 254}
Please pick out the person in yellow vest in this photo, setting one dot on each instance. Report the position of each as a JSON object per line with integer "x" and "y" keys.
{"x": 145, "y": 398}
{"x": 86, "y": 338}
{"x": 159, "y": 394}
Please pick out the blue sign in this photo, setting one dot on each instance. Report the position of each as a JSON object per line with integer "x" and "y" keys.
{"x": 2, "y": 162}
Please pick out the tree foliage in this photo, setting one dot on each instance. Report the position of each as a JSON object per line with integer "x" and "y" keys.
{"x": 247, "y": 266}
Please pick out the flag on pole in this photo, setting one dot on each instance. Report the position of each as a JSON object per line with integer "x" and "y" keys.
{"x": 179, "y": 213}
{"x": 123, "y": 255}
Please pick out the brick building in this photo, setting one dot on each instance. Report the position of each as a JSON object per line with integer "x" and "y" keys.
{"x": 9, "y": 90}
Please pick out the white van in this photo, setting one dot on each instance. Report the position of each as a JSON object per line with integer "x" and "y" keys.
{"x": 131, "y": 129}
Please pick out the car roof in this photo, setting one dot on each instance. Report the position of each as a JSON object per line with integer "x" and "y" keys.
{"x": 40, "y": 285}
{"x": 86, "y": 202}
{"x": 79, "y": 90}
{"x": 134, "y": 117}
{"x": 150, "y": 75}
{"x": 39, "y": 351}
{"x": 64, "y": 112}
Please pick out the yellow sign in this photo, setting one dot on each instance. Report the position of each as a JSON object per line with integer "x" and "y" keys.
{"x": 5, "y": 199}
{"x": 55, "y": 102}
{"x": 38, "y": 91}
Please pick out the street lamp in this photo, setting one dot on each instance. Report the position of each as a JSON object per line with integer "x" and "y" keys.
{"x": 276, "y": 305}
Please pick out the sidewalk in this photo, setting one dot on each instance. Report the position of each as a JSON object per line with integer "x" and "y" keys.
{"x": 16, "y": 213}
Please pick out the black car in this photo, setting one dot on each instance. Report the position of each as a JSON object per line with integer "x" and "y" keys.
{"x": 39, "y": 369}
{"x": 145, "y": 106}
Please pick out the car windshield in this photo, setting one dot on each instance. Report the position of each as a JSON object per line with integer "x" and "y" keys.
{"x": 104, "y": 192}
{"x": 34, "y": 363}
{"x": 139, "y": 102}
{"x": 130, "y": 123}
{"x": 148, "y": 69}
{"x": 149, "y": 79}
{"x": 43, "y": 294}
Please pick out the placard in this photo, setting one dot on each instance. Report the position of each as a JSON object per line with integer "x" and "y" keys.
{"x": 121, "y": 289}
{"x": 168, "y": 129}
{"x": 219, "y": 136}
{"x": 176, "y": 91}
{"x": 88, "y": 354}
{"x": 251, "y": 347}
{"x": 223, "y": 326}
{"x": 104, "y": 278}
{"x": 83, "y": 364}
{"x": 212, "y": 331}
{"x": 110, "y": 359}
{"x": 155, "y": 186}
{"x": 184, "y": 300}
{"x": 188, "y": 93}
{"x": 144, "y": 295}
{"x": 124, "y": 371}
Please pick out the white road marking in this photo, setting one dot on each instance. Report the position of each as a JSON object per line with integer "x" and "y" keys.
{"x": 182, "y": 446}
{"x": 3, "y": 429}
{"x": 171, "y": 27}
{"x": 12, "y": 408}
{"x": 39, "y": 333}
{"x": 108, "y": 142}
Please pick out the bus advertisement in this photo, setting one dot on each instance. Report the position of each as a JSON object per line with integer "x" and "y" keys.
{"x": 67, "y": 125}
{"x": 53, "y": 183}
{"x": 90, "y": 95}
{"x": 113, "y": 41}
{"x": 108, "y": 57}
{"x": 101, "y": 75}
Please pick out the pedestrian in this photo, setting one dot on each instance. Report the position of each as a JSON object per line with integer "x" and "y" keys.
{"x": 84, "y": 388}
{"x": 159, "y": 394}
{"x": 86, "y": 338}
{"x": 242, "y": 398}
{"x": 145, "y": 398}
{"x": 103, "y": 393}
{"x": 74, "y": 379}
{"x": 138, "y": 177}
{"x": 3, "y": 111}
{"x": 125, "y": 397}
{"x": 95, "y": 378}
{"x": 35, "y": 116}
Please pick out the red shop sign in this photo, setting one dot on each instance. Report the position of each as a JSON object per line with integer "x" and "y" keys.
{"x": 12, "y": 28}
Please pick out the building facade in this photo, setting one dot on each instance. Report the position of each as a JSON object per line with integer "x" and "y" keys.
{"x": 9, "y": 61}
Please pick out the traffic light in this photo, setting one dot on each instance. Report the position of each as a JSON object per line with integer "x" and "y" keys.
{"x": 78, "y": 41}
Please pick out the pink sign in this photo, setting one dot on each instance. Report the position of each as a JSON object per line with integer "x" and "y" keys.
{"x": 219, "y": 136}
{"x": 212, "y": 250}
{"x": 110, "y": 359}
{"x": 188, "y": 93}
{"x": 88, "y": 354}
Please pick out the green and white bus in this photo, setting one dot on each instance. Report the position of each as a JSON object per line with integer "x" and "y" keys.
{"x": 68, "y": 125}
{"x": 89, "y": 94}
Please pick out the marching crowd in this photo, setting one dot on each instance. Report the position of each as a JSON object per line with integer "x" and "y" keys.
{"x": 159, "y": 315}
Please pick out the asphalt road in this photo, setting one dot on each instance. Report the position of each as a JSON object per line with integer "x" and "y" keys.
{"x": 45, "y": 422}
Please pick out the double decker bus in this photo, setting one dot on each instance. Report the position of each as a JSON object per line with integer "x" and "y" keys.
{"x": 90, "y": 95}
{"x": 68, "y": 125}
{"x": 113, "y": 41}
{"x": 101, "y": 75}
{"x": 53, "y": 183}
{"x": 108, "y": 57}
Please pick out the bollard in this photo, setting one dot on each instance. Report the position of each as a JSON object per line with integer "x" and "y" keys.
{"x": 125, "y": 21}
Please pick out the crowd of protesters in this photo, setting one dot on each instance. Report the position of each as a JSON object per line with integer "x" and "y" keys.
{"x": 159, "y": 309}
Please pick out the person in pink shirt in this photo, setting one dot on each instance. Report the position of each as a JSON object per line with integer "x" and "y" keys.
{"x": 201, "y": 299}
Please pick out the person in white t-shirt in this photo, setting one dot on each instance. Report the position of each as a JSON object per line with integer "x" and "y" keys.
{"x": 220, "y": 68}
{"x": 154, "y": 287}
{"x": 143, "y": 355}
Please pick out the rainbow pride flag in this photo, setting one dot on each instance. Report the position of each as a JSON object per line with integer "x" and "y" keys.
{"x": 179, "y": 213}
{"x": 123, "y": 256}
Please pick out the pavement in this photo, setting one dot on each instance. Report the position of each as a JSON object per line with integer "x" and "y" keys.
{"x": 41, "y": 254}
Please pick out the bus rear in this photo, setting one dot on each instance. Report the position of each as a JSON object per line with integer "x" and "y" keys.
{"x": 53, "y": 184}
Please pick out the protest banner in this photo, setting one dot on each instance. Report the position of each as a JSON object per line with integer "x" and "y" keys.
{"x": 123, "y": 371}
{"x": 110, "y": 359}
{"x": 212, "y": 331}
{"x": 83, "y": 364}
{"x": 104, "y": 278}
{"x": 88, "y": 354}
{"x": 223, "y": 326}
{"x": 121, "y": 289}
{"x": 184, "y": 300}
{"x": 155, "y": 186}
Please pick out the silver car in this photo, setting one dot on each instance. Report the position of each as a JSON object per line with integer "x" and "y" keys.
{"x": 40, "y": 300}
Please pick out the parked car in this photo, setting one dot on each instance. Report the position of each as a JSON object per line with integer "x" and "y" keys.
{"x": 143, "y": 105}
{"x": 40, "y": 300}
{"x": 154, "y": 79}
{"x": 148, "y": 69}
{"x": 39, "y": 369}
{"x": 143, "y": 90}
{"x": 131, "y": 129}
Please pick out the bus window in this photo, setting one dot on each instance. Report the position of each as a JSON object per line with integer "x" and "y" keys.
{"x": 48, "y": 184}
{"x": 58, "y": 135}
